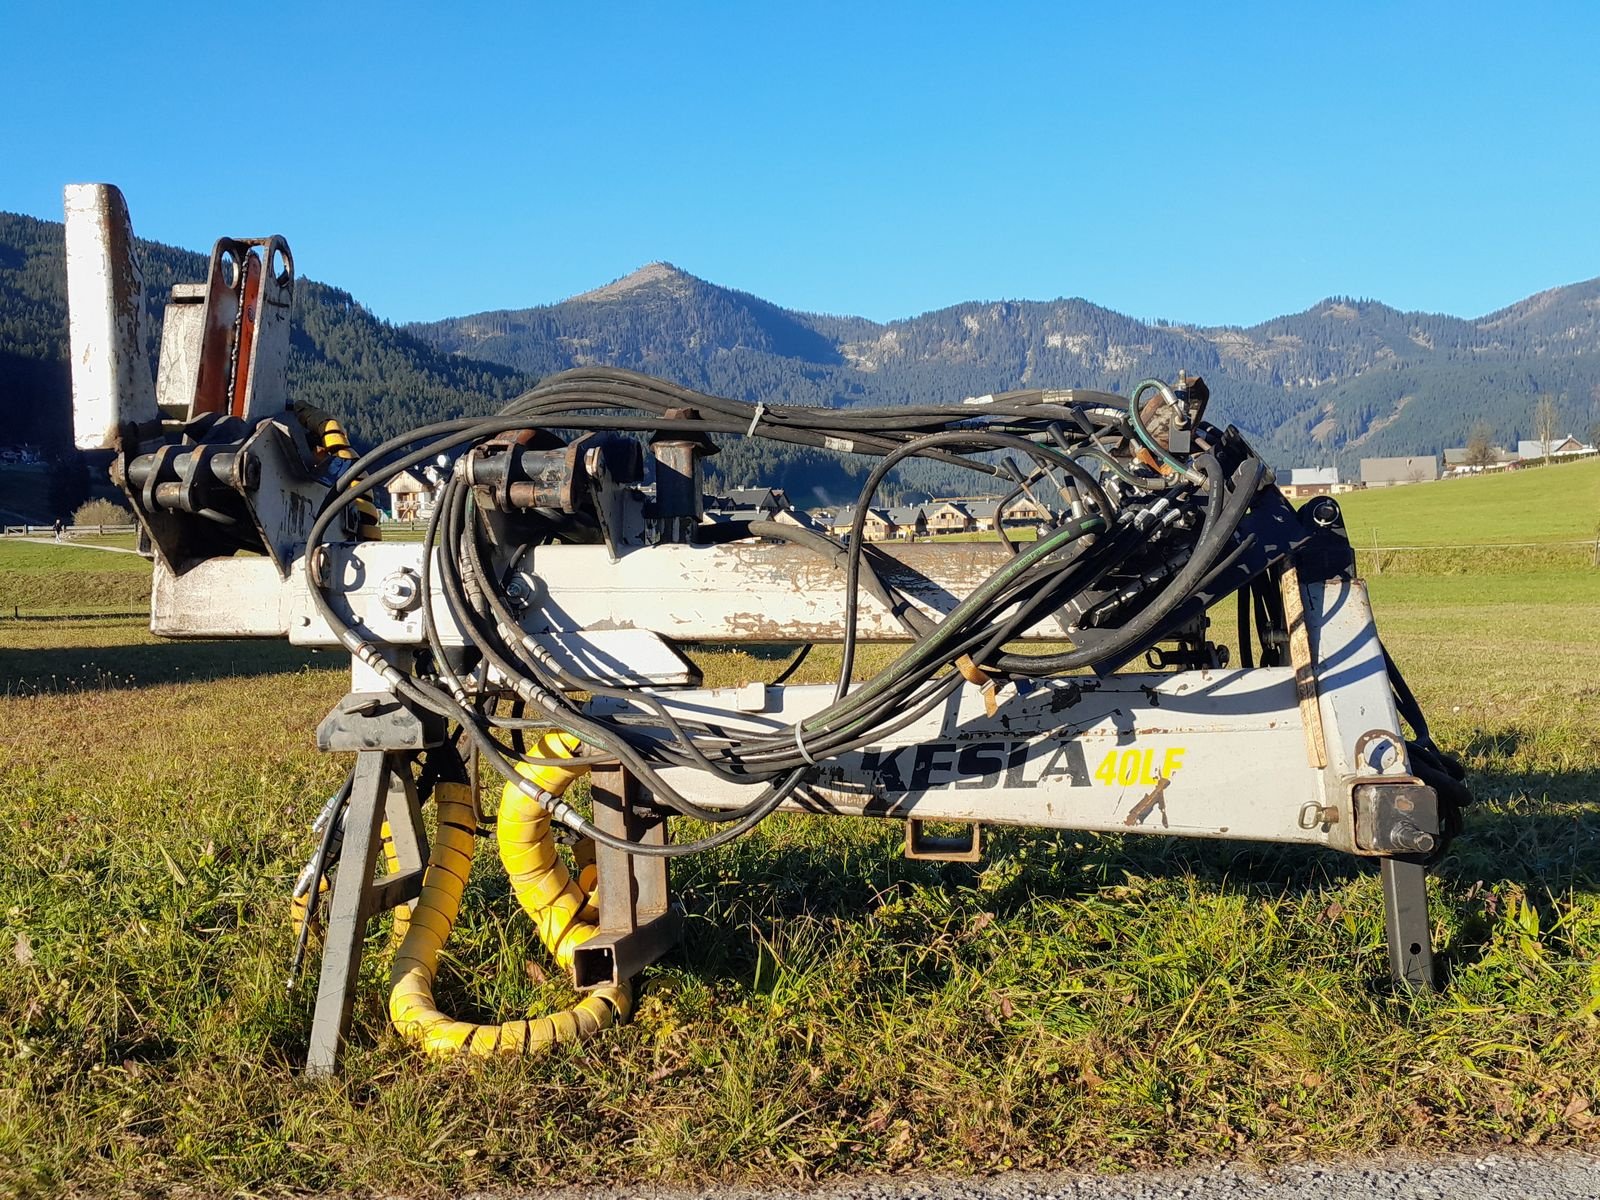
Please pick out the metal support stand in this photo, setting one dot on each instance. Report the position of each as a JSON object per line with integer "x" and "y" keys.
{"x": 637, "y": 921}
{"x": 1405, "y": 918}
{"x": 382, "y": 790}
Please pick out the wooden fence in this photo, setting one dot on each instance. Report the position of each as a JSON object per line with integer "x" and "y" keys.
{"x": 68, "y": 532}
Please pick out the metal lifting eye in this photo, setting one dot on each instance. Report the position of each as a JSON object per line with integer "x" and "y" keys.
{"x": 280, "y": 263}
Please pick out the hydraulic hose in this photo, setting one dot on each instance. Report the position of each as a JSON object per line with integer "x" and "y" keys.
{"x": 559, "y": 908}
{"x": 1138, "y": 541}
{"x": 333, "y": 455}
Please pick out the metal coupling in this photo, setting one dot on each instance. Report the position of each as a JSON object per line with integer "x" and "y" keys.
{"x": 1397, "y": 815}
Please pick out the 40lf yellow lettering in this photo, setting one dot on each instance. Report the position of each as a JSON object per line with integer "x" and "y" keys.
{"x": 1125, "y": 768}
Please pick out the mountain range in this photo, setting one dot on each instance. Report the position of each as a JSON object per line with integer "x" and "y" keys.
{"x": 1342, "y": 380}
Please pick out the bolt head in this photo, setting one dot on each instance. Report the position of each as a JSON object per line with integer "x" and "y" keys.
{"x": 400, "y": 591}
{"x": 1325, "y": 512}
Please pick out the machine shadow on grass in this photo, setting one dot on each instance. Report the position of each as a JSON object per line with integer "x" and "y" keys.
{"x": 1532, "y": 835}
{"x": 99, "y": 668}
{"x": 1537, "y": 835}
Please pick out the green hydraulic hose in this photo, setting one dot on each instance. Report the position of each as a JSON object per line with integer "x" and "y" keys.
{"x": 1144, "y": 435}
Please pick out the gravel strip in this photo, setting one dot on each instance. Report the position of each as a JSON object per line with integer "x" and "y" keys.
{"x": 1494, "y": 1176}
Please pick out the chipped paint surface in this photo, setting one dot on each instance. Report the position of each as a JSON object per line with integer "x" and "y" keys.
{"x": 1155, "y": 801}
{"x": 111, "y": 380}
{"x": 1037, "y": 759}
{"x": 1041, "y": 759}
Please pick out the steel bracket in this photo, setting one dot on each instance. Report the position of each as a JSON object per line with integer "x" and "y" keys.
{"x": 638, "y": 923}
{"x": 964, "y": 847}
{"x": 382, "y": 790}
{"x": 378, "y": 721}
{"x": 1397, "y": 815}
{"x": 1405, "y": 920}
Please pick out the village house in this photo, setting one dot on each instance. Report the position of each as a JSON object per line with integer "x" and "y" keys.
{"x": 909, "y": 522}
{"x": 1392, "y": 472}
{"x": 949, "y": 516}
{"x": 751, "y": 501}
{"x": 1455, "y": 460}
{"x": 1305, "y": 482}
{"x": 1025, "y": 510}
{"x": 982, "y": 512}
{"x": 1565, "y": 446}
{"x": 878, "y": 526}
{"x": 757, "y": 504}
{"x": 410, "y": 497}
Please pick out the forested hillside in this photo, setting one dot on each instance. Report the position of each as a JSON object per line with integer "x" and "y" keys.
{"x": 378, "y": 378}
{"x": 1342, "y": 380}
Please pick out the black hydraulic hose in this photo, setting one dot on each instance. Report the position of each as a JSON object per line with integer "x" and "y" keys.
{"x": 1226, "y": 509}
{"x": 1246, "y": 650}
{"x": 741, "y": 821}
{"x": 569, "y": 719}
{"x": 1053, "y": 429}
{"x": 870, "y": 487}
{"x": 1406, "y": 702}
{"x": 929, "y": 647}
{"x": 899, "y": 606}
{"x": 1270, "y": 656}
{"x": 793, "y": 665}
{"x": 549, "y": 699}
{"x": 511, "y": 641}
{"x": 319, "y": 868}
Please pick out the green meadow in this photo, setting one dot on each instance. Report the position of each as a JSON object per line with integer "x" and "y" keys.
{"x": 1095, "y": 1002}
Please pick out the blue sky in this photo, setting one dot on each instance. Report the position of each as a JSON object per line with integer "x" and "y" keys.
{"x": 1200, "y": 163}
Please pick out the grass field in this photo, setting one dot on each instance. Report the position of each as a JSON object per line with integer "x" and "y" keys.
{"x": 1558, "y": 503}
{"x": 41, "y": 579}
{"x": 1099, "y": 1002}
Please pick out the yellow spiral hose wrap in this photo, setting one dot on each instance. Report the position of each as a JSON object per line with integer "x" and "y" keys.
{"x": 560, "y": 910}
{"x": 328, "y": 440}
{"x": 391, "y": 861}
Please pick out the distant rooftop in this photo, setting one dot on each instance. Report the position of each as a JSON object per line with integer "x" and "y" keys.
{"x": 1530, "y": 449}
{"x": 1413, "y": 468}
{"x": 1313, "y": 476}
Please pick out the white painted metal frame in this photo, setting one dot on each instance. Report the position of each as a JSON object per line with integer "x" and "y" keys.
{"x": 1219, "y": 753}
{"x": 1215, "y": 753}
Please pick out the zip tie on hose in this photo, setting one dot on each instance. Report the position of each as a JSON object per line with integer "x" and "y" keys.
{"x": 755, "y": 418}
{"x": 801, "y": 746}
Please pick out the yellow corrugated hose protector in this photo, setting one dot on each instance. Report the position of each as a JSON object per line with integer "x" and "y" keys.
{"x": 328, "y": 440}
{"x": 561, "y": 912}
